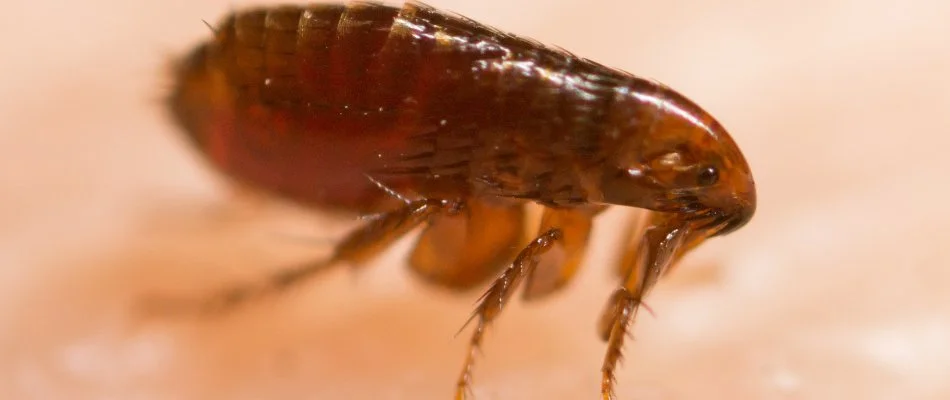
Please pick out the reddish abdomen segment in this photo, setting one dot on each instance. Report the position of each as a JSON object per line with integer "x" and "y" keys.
{"x": 305, "y": 101}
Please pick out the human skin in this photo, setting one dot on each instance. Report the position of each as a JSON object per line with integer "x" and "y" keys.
{"x": 836, "y": 290}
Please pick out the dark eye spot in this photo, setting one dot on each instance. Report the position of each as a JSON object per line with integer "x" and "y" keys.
{"x": 707, "y": 176}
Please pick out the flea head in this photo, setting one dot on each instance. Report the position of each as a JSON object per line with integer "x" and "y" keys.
{"x": 669, "y": 155}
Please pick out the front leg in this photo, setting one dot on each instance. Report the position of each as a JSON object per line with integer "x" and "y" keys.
{"x": 663, "y": 242}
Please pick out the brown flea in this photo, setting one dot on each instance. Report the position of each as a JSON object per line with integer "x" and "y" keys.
{"x": 352, "y": 106}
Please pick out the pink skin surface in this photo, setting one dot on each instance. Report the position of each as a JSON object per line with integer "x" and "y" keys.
{"x": 837, "y": 288}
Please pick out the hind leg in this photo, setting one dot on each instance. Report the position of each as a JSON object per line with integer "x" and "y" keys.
{"x": 355, "y": 249}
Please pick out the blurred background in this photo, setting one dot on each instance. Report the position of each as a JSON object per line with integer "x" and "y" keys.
{"x": 837, "y": 288}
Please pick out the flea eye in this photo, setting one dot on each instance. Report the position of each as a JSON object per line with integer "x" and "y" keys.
{"x": 707, "y": 176}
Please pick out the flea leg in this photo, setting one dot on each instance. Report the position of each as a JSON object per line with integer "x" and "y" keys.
{"x": 559, "y": 265}
{"x": 355, "y": 249}
{"x": 468, "y": 248}
{"x": 498, "y": 295}
{"x": 661, "y": 244}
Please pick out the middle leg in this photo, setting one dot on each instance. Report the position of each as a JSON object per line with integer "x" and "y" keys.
{"x": 497, "y": 296}
{"x": 545, "y": 265}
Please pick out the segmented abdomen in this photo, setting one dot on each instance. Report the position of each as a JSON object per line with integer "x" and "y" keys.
{"x": 359, "y": 56}
{"x": 308, "y": 99}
